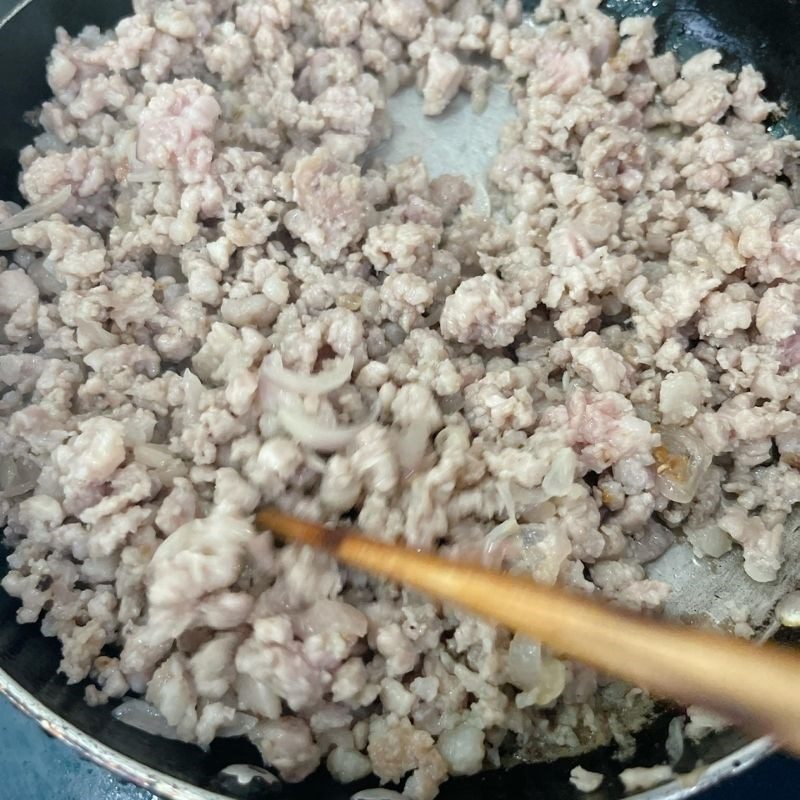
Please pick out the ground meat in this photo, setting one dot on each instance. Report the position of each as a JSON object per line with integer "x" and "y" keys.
{"x": 483, "y": 311}
{"x": 220, "y": 297}
{"x": 173, "y": 128}
{"x": 444, "y": 76}
{"x": 330, "y": 211}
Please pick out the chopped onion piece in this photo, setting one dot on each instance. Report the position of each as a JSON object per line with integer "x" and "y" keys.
{"x": 32, "y": 213}
{"x": 499, "y": 534}
{"x": 376, "y": 794}
{"x": 144, "y": 717}
{"x": 412, "y": 444}
{"x": 702, "y": 722}
{"x": 682, "y": 460}
{"x": 546, "y": 549}
{"x": 157, "y": 456}
{"x": 245, "y": 775}
{"x": 17, "y": 476}
{"x": 49, "y": 143}
{"x": 787, "y": 611}
{"x": 642, "y": 778}
{"x": 481, "y": 202}
{"x": 47, "y": 282}
{"x": 561, "y": 474}
{"x": 708, "y": 540}
{"x": 91, "y": 334}
{"x": 789, "y": 350}
{"x": 584, "y": 780}
{"x": 651, "y": 542}
{"x": 394, "y": 334}
{"x": 147, "y": 176}
{"x": 192, "y": 393}
{"x": 240, "y": 725}
{"x": 324, "y": 437}
{"x": 675, "y": 741}
{"x": 451, "y": 403}
{"x": 432, "y": 317}
{"x": 274, "y": 374}
{"x": 507, "y": 499}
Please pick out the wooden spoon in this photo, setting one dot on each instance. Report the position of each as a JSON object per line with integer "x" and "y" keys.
{"x": 756, "y": 687}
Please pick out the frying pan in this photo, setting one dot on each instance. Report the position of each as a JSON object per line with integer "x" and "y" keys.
{"x": 764, "y": 33}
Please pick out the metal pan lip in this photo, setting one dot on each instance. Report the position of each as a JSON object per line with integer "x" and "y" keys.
{"x": 13, "y": 12}
{"x": 171, "y": 788}
{"x": 154, "y": 780}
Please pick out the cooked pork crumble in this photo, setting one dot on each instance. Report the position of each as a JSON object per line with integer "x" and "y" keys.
{"x": 219, "y": 299}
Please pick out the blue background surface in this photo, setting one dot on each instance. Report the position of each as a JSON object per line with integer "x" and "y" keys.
{"x": 35, "y": 767}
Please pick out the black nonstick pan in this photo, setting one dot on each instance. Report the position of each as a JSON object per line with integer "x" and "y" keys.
{"x": 762, "y": 32}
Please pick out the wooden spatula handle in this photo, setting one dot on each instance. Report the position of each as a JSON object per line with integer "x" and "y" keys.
{"x": 755, "y": 687}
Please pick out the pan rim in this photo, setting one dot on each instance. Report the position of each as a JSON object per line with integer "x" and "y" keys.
{"x": 171, "y": 788}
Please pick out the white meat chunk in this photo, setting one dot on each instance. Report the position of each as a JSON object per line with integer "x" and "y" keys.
{"x": 174, "y": 129}
{"x": 483, "y": 311}
{"x": 331, "y": 208}
{"x": 443, "y": 79}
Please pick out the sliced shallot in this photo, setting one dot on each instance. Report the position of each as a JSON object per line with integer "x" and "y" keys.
{"x": 32, "y": 213}
{"x": 144, "y": 717}
{"x": 682, "y": 460}
{"x": 310, "y": 431}
{"x": 274, "y": 374}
